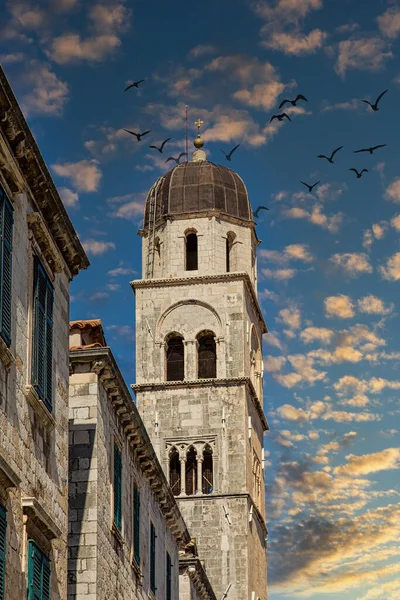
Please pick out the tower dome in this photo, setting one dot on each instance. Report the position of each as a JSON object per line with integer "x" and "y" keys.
{"x": 194, "y": 188}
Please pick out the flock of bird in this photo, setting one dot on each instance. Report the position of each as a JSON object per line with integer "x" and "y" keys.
{"x": 280, "y": 118}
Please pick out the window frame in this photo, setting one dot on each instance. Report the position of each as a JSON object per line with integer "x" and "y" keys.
{"x": 136, "y": 524}
{"x": 168, "y": 576}
{"x": 117, "y": 488}
{"x": 41, "y": 592}
{"x": 6, "y": 246}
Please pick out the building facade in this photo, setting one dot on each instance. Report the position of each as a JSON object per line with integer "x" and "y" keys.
{"x": 39, "y": 255}
{"x": 199, "y": 369}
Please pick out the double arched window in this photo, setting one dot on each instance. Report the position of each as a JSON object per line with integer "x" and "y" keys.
{"x": 206, "y": 355}
{"x": 175, "y": 358}
{"x": 191, "y": 470}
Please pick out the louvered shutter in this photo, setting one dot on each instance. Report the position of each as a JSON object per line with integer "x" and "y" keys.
{"x": 117, "y": 487}
{"x": 136, "y": 524}
{"x": 45, "y": 579}
{"x": 152, "y": 558}
{"x": 169, "y": 578}
{"x": 42, "y": 375}
{"x": 6, "y": 220}
{"x": 38, "y": 574}
{"x": 3, "y": 528}
{"x": 48, "y": 398}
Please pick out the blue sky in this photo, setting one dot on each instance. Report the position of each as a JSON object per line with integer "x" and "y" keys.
{"x": 329, "y": 262}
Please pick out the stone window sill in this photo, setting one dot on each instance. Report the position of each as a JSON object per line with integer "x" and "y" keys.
{"x": 117, "y": 534}
{"x": 42, "y": 412}
{"x": 6, "y": 356}
{"x": 136, "y": 568}
{"x": 152, "y": 595}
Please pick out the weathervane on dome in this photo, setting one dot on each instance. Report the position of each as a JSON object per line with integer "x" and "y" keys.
{"x": 198, "y": 143}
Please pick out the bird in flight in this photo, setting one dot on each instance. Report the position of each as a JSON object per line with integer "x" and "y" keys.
{"x": 310, "y": 187}
{"x": 375, "y": 106}
{"x": 293, "y": 102}
{"x": 370, "y": 150}
{"x": 228, "y": 156}
{"x": 280, "y": 117}
{"x": 177, "y": 160}
{"x": 162, "y": 145}
{"x": 359, "y": 173}
{"x": 258, "y": 210}
{"x": 134, "y": 84}
{"x": 138, "y": 135}
{"x": 330, "y": 158}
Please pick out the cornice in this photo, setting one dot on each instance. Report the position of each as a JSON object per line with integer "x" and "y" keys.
{"x": 102, "y": 363}
{"x": 45, "y": 241}
{"x": 217, "y": 278}
{"x": 32, "y": 508}
{"x": 27, "y": 156}
{"x": 193, "y": 567}
{"x": 151, "y": 385}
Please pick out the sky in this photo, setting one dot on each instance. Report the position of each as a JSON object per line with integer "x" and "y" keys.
{"x": 329, "y": 261}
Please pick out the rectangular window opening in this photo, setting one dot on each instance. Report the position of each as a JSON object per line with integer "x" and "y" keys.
{"x": 38, "y": 573}
{"x": 117, "y": 488}
{"x": 6, "y": 235}
{"x": 152, "y": 558}
{"x": 136, "y": 524}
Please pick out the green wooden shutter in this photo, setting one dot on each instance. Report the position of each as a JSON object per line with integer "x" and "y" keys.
{"x": 136, "y": 524}
{"x": 3, "y": 528}
{"x": 38, "y": 574}
{"x": 42, "y": 372}
{"x": 169, "y": 578}
{"x": 6, "y": 234}
{"x": 152, "y": 558}
{"x": 117, "y": 487}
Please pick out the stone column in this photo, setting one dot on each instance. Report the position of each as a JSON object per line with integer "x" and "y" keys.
{"x": 183, "y": 477}
{"x": 199, "y": 474}
{"x": 190, "y": 360}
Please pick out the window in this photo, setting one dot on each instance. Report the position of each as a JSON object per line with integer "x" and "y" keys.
{"x": 191, "y": 471}
{"x": 152, "y": 558}
{"x": 207, "y": 355}
{"x": 228, "y": 245}
{"x": 207, "y": 479}
{"x": 175, "y": 359}
{"x": 136, "y": 524}
{"x": 175, "y": 472}
{"x": 191, "y": 252}
{"x": 6, "y": 231}
{"x": 38, "y": 574}
{"x": 3, "y": 528}
{"x": 42, "y": 375}
{"x": 169, "y": 578}
{"x": 117, "y": 488}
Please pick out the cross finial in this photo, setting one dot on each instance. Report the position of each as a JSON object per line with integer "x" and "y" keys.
{"x": 199, "y": 123}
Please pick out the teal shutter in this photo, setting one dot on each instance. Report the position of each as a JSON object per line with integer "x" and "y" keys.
{"x": 38, "y": 574}
{"x": 117, "y": 487}
{"x": 6, "y": 234}
{"x": 42, "y": 375}
{"x": 152, "y": 558}
{"x": 136, "y": 524}
{"x": 169, "y": 578}
{"x": 3, "y": 528}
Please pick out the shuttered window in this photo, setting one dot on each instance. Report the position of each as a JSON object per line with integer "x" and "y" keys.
{"x": 169, "y": 578}
{"x": 136, "y": 524}
{"x": 38, "y": 574}
{"x": 3, "y": 527}
{"x": 117, "y": 487}
{"x": 6, "y": 233}
{"x": 152, "y": 558}
{"x": 42, "y": 364}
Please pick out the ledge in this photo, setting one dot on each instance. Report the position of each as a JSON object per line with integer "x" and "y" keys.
{"x": 8, "y": 477}
{"x": 32, "y": 508}
{"x": 136, "y": 568}
{"x": 39, "y": 407}
{"x": 46, "y": 244}
{"x": 6, "y": 356}
{"x": 117, "y": 534}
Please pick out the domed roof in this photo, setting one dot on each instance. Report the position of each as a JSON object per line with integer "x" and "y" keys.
{"x": 196, "y": 187}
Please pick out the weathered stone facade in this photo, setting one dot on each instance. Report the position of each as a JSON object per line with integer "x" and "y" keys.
{"x": 34, "y": 439}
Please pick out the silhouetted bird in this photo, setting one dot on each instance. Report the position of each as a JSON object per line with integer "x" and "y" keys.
{"x": 375, "y": 106}
{"x": 310, "y": 187}
{"x": 228, "y": 156}
{"x": 293, "y": 102}
{"x": 138, "y": 135}
{"x": 280, "y": 117}
{"x": 134, "y": 84}
{"x": 359, "y": 174}
{"x": 162, "y": 145}
{"x": 370, "y": 150}
{"x": 258, "y": 210}
{"x": 177, "y": 160}
{"x": 329, "y": 158}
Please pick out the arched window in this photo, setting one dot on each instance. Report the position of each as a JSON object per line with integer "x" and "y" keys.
{"x": 191, "y": 471}
{"x": 175, "y": 358}
{"x": 207, "y": 355}
{"x": 157, "y": 254}
{"x": 175, "y": 472}
{"x": 191, "y": 252}
{"x": 207, "y": 479}
{"x": 229, "y": 253}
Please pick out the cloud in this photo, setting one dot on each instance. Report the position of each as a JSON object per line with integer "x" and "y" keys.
{"x": 367, "y": 54}
{"x": 289, "y": 412}
{"x": 68, "y": 197}
{"x": 27, "y": 16}
{"x": 389, "y": 23}
{"x": 374, "y": 306}
{"x": 297, "y": 44}
{"x": 99, "y": 296}
{"x": 121, "y": 271}
{"x": 316, "y": 216}
{"x": 329, "y": 191}
{"x": 393, "y": 191}
{"x": 395, "y": 222}
{"x": 279, "y": 274}
{"x": 122, "y": 330}
{"x": 97, "y": 247}
{"x": 10, "y": 59}
{"x": 272, "y": 364}
{"x": 273, "y": 340}
{"x": 317, "y": 334}
{"x": 111, "y": 17}
{"x": 48, "y": 94}
{"x": 291, "y": 317}
{"x": 129, "y": 206}
{"x": 85, "y": 175}
{"x": 353, "y": 104}
{"x": 371, "y": 463}
{"x": 340, "y": 306}
{"x": 391, "y": 271}
{"x": 353, "y": 263}
{"x": 201, "y": 50}
{"x": 291, "y": 252}
{"x": 304, "y": 372}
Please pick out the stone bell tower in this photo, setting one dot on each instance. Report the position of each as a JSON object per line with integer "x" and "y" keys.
{"x": 198, "y": 384}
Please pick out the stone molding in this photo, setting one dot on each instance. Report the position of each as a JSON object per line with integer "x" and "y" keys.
{"x": 45, "y": 242}
{"x": 193, "y": 567}
{"x": 6, "y": 356}
{"x": 102, "y": 363}
{"x": 39, "y": 407}
{"x": 32, "y": 508}
{"x": 176, "y": 281}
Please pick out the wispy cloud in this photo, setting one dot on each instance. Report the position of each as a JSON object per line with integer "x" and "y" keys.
{"x": 97, "y": 247}
{"x": 48, "y": 94}
{"x": 389, "y": 22}
{"x": 340, "y": 306}
{"x": 353, "y": 263}
{"x": 129, "y": 206}
{"x": 68, "y": 197}
{"x": 392, "y": 192}
{"x": 297, "y": 44}
{"x": 391, "y": 270}
{"x": 85, "y": 175}
{"x": 316, "y": 216}
{"x": 367, "y": 54}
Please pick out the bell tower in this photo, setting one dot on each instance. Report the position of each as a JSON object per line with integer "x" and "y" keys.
{"x": 199, "y": 369}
